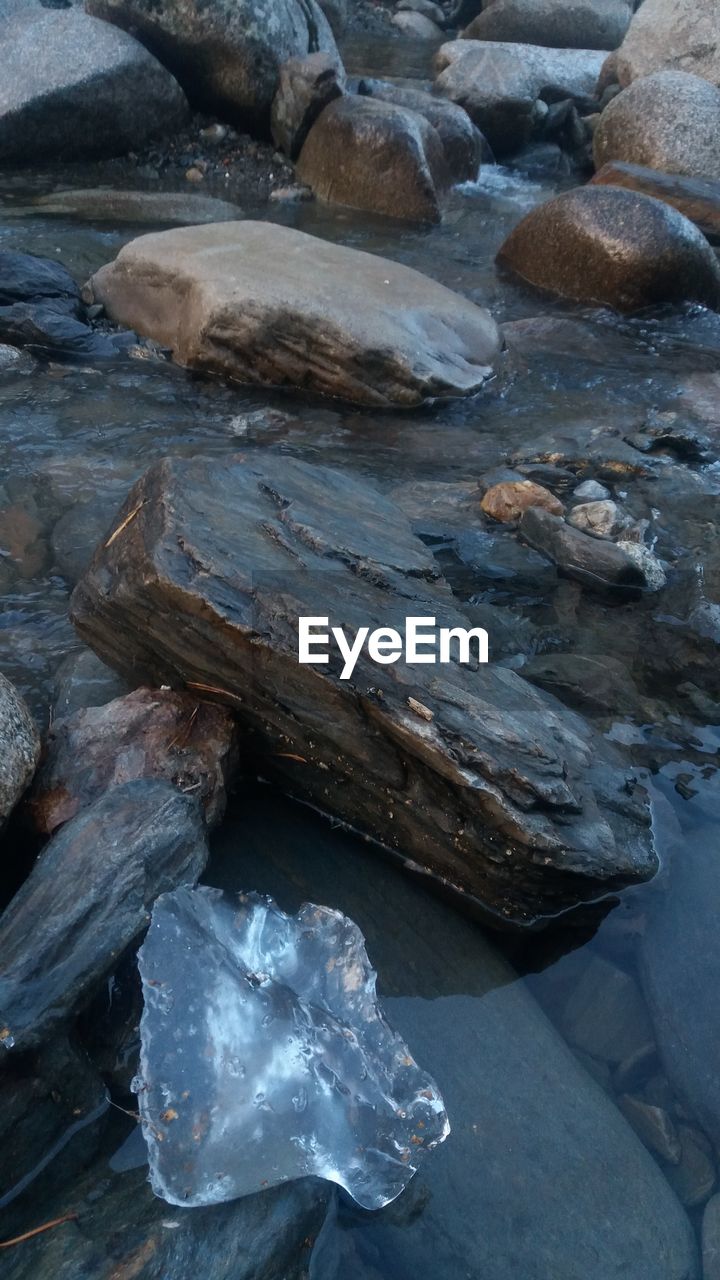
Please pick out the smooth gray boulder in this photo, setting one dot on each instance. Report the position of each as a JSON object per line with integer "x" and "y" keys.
{"x": 265, "y": 304}
{"x": 226, "y": 54}
{"x": 74, "y": 87}
{"x": 668, "y": 121}
{"x": 107, "y": 204}
{"x": 19, "y": 747}
{"x": 573, "y": 24}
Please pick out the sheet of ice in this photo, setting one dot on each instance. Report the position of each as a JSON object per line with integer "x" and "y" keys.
{"x": 265, "y": 1057}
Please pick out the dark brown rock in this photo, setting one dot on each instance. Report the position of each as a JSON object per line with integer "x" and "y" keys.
{"x": 696, "y": 198}
{"x": 606, "y": 245}
{"x": 151, "y": 733}
{"x": 464, "y": 145}
{"x": 306, "y": 87}
{"x": 378, "y": 157}
{"x": 473, "y": 774}
{"x": 88, "y": 897}
{"x": 589, "y": 560}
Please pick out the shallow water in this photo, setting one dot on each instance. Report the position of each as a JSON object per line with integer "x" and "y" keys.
{"x": 574, "y": 384}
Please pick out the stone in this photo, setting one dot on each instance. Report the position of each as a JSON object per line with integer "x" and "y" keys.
{"x": 584, "y": 24}
{"x": 14, "y": 361}
{"x": 463, "y": 144}
{"x": 81, "y": 681}
{"x": 76, "y": 88}
{"x": 507, "y": 501}
{"x": 306, "y": 87}
{"x": 416, "y": 25}
{"x": 607, "y": 245}
{"x": 19, "y": 747}
{"x": 668, "y": 121}
{"x": 591, "y": 491}
{"x": 711, "y": 1239}
{"x": 696, "y": 198}
{"x": 340, "y": 322}
{"x": 694, "y": 1178}
{"x": 150, "y": 733}
{"x": 240, "y": 553}
{"x": 603, "y": 519}
{"x": 597, "y": 1006}
{"x": 105, "y": 204}
{"x": 336, "y": 12}
{"x": 24, "y": 277}
{"x": 672, "y": 35}
{"x": 504, "y": 86}
{"x": 88, "y": 897}
{"x": 594, "y": 684}
{"x": 428, "y": 8}
{"x": 646, "y": 561}
{"x": 375, "y": 156}
{"x": 227, "y": 54}
{"x": 653, "y": 1126}
{"x": 595, "y": 564}
{"x": 53, "y": 326}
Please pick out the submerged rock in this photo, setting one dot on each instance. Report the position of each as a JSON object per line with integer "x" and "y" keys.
{"x": 668, "y": 121}
{"x": 504, "y": 86}
{"x": 19, "y": 747}
{"x": 607, "y": 245}
{"x": 697, "y": 199}
{"x": 265, "y": 1056}
{"x": 513, "y": 799}
{"x": 88, "y": 897}
{"x": 105, "y": 204}
{"x": 373, "y": 155}
{"x": 151, "y": 733}
{"x": 226, "y": 53}
{"x": 267, "y": 304}
{"x": 73, "y": 88}
{"x": 463, "y": 144}
{"x": 583, "y": 24}
{"x": 674, "y": 35}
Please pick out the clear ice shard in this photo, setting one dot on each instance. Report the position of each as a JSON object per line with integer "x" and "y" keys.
{"x": 265, "y": 1056}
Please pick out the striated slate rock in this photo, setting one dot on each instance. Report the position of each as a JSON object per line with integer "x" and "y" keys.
{"x": 676, "y": 35}
{"x": 19, "y": 747}
{"x": 151, "y": 733}
{"x": 695, "y": 198}
{"x": 606, "y": 245}
{"x": 267, "y": 304}
{"x": 471, "y": 773}
{"x": 227, "y": 54}
{"x": 577, "y": 24}
{"x": 463, "y": 144}
{"x": 73, "y": 88}
{"x": 88, "y": 897}
{"x": 668, "y": 121}
{"x": 373, "y": 155}
{"x": 503, "y": 86}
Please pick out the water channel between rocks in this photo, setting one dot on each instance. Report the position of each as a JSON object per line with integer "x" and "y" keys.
{"x": 613, "y": 1024}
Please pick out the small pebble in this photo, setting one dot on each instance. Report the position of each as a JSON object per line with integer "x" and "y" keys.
{"x": 194, "y": 174}
{"x": 591, "y": 491}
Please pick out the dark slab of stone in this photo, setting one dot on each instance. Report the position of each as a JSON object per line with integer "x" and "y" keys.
{"x": 24, "y": 277}
{"x": 591, "y": 561}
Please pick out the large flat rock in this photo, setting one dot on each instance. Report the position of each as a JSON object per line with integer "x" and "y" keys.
{"x": 266, "y": 304}
{"x": 472, "y": 774}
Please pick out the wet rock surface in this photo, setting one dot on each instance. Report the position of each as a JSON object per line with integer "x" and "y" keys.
{"x": 669, "y": 121}
{"x": 697, "y": 199}
{"x": 583, "y": 24}
{"x": 463, "y": 144}
{"x": 592, "y": 562}
{"x": 110, "y": 205}
{"x": 270, "y": 305}
{"x": 306, "y": 86}
{"x": 87, "y": 899}
{"x": 529, "y": 820}
{"x": 19, "y": 747}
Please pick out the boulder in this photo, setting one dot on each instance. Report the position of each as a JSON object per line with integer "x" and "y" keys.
{"x": 88, "y": 897}
{"x": 588, "y": 560}
{"x": 504, "y": 87}
{"x": 378, "y": 157}
{"x": 464, "y": 145}
{"x": 306, "y": 87}
{"x": 150, "y": 733}
{"x": 697, "y": 199}
{"x": 267, "y": 304}
{"x": 507, "y": 500}
{"x": 74, "y": 88}
{"x": 601, "y": 244}
{"x": 668, "y": 121}
{"x": 227, "y": 54}
{"x": 19, "y": 747}
{"x": 671, "y": 35}
{"x": 577, "y": 24}
{"x": 472, "y": 773}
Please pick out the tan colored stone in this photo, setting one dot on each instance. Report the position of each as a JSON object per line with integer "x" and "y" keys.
{"x": 668, "y": 121}
{"x": 676, "y": 35}
{"x": 507, "y": 501}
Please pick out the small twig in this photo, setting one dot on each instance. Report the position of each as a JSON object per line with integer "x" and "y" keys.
{"x": 125, "y": 523}
{"x": 212, "y": 688}
{"x": 36, "y": 1231}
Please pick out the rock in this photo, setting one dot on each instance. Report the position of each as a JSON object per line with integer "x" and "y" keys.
{"x": 427, "y": 8}
{"x": 584, "y": 24}
{"x": 597, "y": 1006}
{"x": 711, "y": 1239}
{"x": 694, "y": 1178}
{"x": 151, "y": 733}
{"x": 503, "y": 86}
{"x": 306, "y": 87}
{"x": 646, "y": 561}
{"x": 342, "y": 323}
{"x": 227, "y": 54}
{"x": 464, "y": 146}
{"x": 27, "y": 278}
{"x": 373, "y": 155}
{"x": 673, "y": 35}
{"x": 590, "y": 561}
{"x": 82, "y": 680}
{"x": 105, "y": 204}
{"x": 507, "y": 501}
{"x": 54, "y": 326}
{"x": 88, "y": 897}
{"x": 602, "y": 519}
{"x": 19, "y": 747}
{"x": 607, "y": 245}
{"x": 336, "y": 12}
{"x": 591, "y": 491}
{"x": 416, "y": 25}
{"x": 181, "y": 601}
{"x": 14, "y": 361}
{"x": 653, "y": 1126}
{"x": 76, "y": 88}
{"x": 669, "y": 121}
{"x": 697, "y": 199}
{"x": 592, "y": 684}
